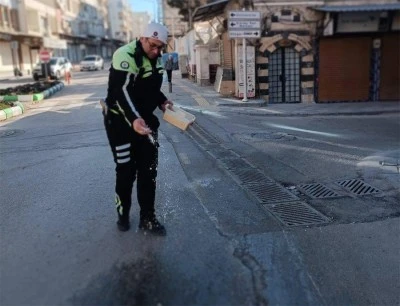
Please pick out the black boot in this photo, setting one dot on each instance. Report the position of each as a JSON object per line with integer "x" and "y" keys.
{"x": 152, "y": 225}
{"x": 123, "y": 224}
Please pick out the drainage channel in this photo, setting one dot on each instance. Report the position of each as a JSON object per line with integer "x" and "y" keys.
{"x": 277, "y": 200}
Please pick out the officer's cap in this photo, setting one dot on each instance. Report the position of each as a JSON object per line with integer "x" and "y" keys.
{"x": 156, "y": 31}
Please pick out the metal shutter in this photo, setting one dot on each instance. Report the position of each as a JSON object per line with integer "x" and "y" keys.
{"x": 390, "y": 68}
{"x": 344, "y": 65}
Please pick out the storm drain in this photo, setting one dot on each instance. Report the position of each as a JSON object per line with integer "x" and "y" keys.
{"x": 268, "y": 192}
{"x": 221, "y": 152}
{"x": 200, "y": 135}
{"x": 235, "y": 163}
{"x": 283, "y": 204}
{"x": 273, "y": 193}
{"x": 250, "y": 176}
{"x": 297, "y": 213}
{"x": 318, "y": 191}
{"x": 358, "y": 187}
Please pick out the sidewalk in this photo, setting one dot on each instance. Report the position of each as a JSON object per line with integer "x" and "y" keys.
{"x": 206, "y": 98}
{"x": 9, "y": 81}
{"x": 260, "y": 107}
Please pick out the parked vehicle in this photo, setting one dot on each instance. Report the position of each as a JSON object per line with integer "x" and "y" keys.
{"x": 56, "y": 68}
{"x": 92, "y": 62}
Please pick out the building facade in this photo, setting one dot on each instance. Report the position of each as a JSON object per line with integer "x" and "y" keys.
{"x": 312, "y": 51}
{"x": 71, "y": 28}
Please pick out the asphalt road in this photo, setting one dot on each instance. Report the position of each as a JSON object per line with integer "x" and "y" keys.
{"x": 227, "y": 191}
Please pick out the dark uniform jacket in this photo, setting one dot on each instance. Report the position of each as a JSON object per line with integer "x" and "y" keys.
{"x": 134, "y": 84}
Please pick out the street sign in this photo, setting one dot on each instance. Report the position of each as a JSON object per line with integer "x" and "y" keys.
{"x": 249, "y": 81}
{"x": 244, "y": 33}
{"x": 44, "y": 55}
{"x": 245, "y": 24}
{"x": 244, "y": 15}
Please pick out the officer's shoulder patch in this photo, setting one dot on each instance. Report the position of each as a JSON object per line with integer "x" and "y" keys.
{"x": 124, "y": 65}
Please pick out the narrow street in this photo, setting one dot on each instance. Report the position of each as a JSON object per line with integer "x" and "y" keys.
{"x": 263, "y": 205}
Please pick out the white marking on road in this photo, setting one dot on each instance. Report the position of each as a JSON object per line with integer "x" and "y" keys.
{"x": 285, "y": 127}
{"x": 203, "y": 111}
{"x": 200, "y": 100}
{"x": 62, "y": 112}
{"x": 174, "y": 138}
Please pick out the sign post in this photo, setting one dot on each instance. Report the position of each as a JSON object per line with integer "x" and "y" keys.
{"x": 44, "y": 57}
{"x": 244, "y": 70}
{"x": 244, "y": 24}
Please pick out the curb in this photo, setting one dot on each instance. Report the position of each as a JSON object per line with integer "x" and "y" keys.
{"x": 18, "y": 108}
{"x": 10, "y": 112}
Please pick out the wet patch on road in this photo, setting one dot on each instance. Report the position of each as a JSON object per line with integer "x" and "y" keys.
{"x": 11, "y": 133}
{"x": 128, "y": 284}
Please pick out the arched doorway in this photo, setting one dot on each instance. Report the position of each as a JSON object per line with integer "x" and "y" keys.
{"x": 284, "y": 76}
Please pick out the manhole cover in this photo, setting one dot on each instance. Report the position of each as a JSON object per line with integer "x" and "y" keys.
{"x": 318, "y": 191}
{"x": 297, "y": 213}
{"x": 358, "y": 187}
{"x": 11, "y": 133}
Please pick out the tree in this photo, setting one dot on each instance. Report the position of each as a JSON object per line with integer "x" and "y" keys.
{"x": 187, "y": 6}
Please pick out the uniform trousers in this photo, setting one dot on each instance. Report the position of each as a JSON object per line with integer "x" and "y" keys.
{"x": 136, "y": 158}
{"x": 169, "y": 75}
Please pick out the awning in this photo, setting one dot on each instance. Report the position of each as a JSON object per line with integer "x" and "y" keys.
{"x": 209, "y": 11}
{"x": 358, "y": 8}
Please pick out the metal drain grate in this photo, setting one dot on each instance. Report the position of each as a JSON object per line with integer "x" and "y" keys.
{"x": 221, "y": 153}
{"x": 318, "y": 191}
{"x": 236, "y": 163}
{"x": 249, "y": 176}
{"x": 205, "y": 136}
{"x": 297, "y": 213}
{"x": 272, "y": 193}
{"x": 268, "y": 192}
{"x": 283, "y": 204}
{"x": 358, "y": 187}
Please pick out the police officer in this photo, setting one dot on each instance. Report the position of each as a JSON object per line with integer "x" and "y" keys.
{"x": 134, "y": 92}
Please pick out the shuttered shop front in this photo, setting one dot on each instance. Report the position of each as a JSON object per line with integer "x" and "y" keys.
{"x": 344, "y": 67}
{"x": 390, "y": 70}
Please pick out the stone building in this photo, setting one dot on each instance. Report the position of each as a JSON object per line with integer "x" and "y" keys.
{"x": 311, "y": 51}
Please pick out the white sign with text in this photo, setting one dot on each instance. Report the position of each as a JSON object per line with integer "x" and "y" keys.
{"x": 251, "y": 76}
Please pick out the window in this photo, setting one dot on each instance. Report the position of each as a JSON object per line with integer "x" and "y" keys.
{"x": 14, "y": 19}
{"x": 4, "y": 19}
{"x": 1, "y": 15}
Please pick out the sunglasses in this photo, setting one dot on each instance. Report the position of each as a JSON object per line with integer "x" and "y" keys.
{"x": 154, "y": 46}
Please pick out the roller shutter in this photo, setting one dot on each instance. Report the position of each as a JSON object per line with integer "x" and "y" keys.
{"x": 390, "y": 68}
{"x": 344, "y": 65}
